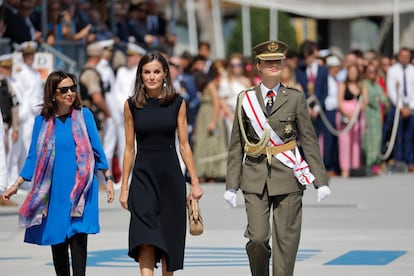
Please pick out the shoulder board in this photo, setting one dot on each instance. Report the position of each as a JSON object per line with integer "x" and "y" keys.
{"x": 293, "y": 88}
{"x": 246, "y": 90}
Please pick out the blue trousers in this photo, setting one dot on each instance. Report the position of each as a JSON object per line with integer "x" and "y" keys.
{"x": 404, "y": 143}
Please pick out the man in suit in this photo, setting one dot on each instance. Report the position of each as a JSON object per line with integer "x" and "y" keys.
{"x": 400, "y": 88}
{"x": 314, "y": 80}
{"x": 265, "y": 163}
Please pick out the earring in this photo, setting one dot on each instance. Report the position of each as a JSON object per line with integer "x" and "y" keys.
{"x": 53, "y": 100}
{"x": 164, "y": 83}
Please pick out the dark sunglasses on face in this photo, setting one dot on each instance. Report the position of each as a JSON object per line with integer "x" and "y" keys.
{"x": 65, "y": 89}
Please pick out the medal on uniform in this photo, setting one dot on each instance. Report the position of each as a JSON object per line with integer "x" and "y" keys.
{"x": 288, "y": 128}
{"x": 270, "y": 101}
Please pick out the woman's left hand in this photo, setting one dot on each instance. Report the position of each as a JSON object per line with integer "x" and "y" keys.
{"x": 195, "y": 191}
{"x": 110, "y": 194}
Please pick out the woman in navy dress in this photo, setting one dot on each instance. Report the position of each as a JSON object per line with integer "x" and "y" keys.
{"x": 64, "y": 156}
{"x": 156, "y": 196}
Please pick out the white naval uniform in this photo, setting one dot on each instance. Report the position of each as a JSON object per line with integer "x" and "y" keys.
{"x": 3, "y": 167}
{"x": 28, "y": 86}
{"x": 123, "y": 88}
{"x": 109, "y": 139}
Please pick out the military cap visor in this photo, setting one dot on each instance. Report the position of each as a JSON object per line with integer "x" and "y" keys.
{"x": 6, "y": 63}
{"x": 271, "y": 50}
{"x": 28, "y": 47}
{"x": 6, "y": 60}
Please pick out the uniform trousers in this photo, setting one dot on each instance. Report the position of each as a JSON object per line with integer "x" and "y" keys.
{"x": 287, "y": 222}
{"x": 78, "y": 249}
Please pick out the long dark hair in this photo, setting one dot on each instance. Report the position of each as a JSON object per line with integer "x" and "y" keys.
{"x": 139, "y": 99}
{"x": 49, "y": 102}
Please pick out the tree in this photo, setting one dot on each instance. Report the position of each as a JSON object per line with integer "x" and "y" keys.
{"x": 259, "y": 19}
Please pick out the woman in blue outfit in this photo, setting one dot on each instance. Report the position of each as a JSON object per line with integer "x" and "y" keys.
{"x": 64, "y": 157}
{"x": 156, "y": 196}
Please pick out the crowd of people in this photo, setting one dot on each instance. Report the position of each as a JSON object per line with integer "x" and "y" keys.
{"x": 358, "y": 116}
{"x": 86, "y": 21}
{"x": 352, "y": 99}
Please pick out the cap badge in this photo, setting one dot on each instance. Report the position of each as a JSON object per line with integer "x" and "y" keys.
{"x": 273, "y": 47}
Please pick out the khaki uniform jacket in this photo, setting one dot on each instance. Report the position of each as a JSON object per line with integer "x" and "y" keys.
{"x": 290, "y": 119}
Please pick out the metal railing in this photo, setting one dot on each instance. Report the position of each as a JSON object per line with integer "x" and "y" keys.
{"x": 5, "y": 46}
{"x": 68, "y": 55}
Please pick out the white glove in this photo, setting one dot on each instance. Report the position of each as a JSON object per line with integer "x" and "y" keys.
{"x": 231, "y": 197}
{"x": 323, "y": 192}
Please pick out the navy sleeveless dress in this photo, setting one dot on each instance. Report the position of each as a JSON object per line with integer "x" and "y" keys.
{"x": 157, "y": 192}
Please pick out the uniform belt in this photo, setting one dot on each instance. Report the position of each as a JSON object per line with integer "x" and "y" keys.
{"x": 273, "y": 150}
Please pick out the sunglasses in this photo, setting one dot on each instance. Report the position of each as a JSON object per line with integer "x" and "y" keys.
{"x": 65, "y": 89}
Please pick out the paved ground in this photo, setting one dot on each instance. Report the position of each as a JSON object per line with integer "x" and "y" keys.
{"x": 365, "y": 228}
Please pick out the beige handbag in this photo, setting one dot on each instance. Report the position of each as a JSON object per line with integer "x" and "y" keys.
{"x": 194, "y": 217}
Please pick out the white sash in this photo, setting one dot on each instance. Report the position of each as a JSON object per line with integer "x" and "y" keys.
{"x": 259, "y": 122}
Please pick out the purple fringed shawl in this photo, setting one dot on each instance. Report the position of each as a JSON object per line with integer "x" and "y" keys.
{"x": 35, "y": 206}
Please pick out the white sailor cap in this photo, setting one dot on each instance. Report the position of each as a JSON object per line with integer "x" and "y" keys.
{"x": 27, "y": 47}
{"x": 6, "y": 60}
{"x": 106, "y": 44}
{"x": 94, "y": 49}
{"x": 332, "y": 61}
{"x": 134, "y": 49}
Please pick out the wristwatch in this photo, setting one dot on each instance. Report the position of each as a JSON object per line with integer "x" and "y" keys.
{"x": 109, "y": 177}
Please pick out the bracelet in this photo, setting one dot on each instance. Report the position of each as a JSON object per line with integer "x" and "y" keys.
{"x": 109, "y": 177}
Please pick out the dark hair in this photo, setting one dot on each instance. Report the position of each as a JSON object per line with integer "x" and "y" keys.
{"x": 307, "y": 48}
{"x": 140, "y": 96}
{"x": 49, "y": 102}
{"x": 203, "y": 44}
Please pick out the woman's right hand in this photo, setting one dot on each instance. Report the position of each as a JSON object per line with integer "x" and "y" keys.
{"x": 12, "y": 190}
{"x": 123, "y": 199}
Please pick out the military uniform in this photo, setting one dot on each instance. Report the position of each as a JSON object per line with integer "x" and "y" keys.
{"x": 3, "y": 168}
{"x": 28, "y": 86}
{"x": 124, "y": 88}
{"x": 107, "y": 74}
{"x": 9, "y": 109}
{"x": 266, "y": 182}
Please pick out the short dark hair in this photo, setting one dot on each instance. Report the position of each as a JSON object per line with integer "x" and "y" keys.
{"x": 307, "y": 48}
{"x": 204, "y": 43}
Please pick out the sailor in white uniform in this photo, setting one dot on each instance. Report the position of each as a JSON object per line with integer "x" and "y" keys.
{"x": 107, "y": 74}
{"x": 28, "y": 85}
{"x": 123, "y": 88}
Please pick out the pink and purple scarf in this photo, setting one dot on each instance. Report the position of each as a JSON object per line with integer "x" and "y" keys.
{"x": 35, "y": 206}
